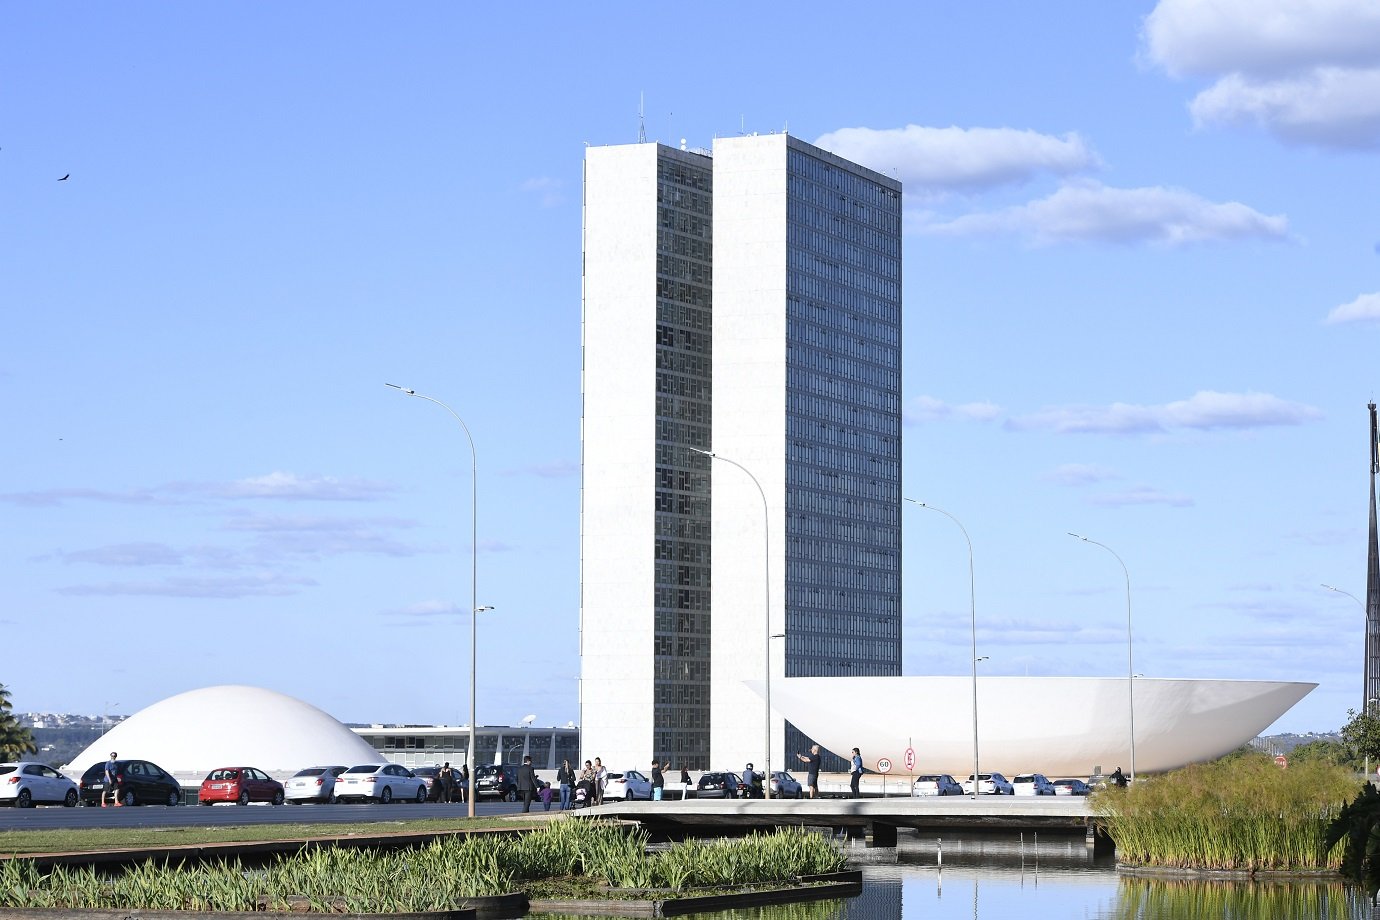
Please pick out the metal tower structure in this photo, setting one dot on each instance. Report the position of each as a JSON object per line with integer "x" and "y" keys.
{"x": 1372, "y": 663}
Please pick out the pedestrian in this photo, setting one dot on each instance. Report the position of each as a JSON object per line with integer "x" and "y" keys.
{"x": 445, "y": 778}
{"x": 811, "y": 761}
{"x": 855, "y": 774}
{"x": 657, "y": 781}
{"x": 565, "y": 778}
{"x": 112, "y": 770}
{"x": 464, "y": 784}
{"x": 526, "y": 783}
{"x": 1118, "y": 779}
{"x": 545, "y": 796}
{"x": 684, "y": 783}
{"x": 749, "y": 779}
{"x": 601, "y": 775}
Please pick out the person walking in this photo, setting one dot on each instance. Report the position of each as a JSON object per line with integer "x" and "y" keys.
{"x": 526, "y": 783}
{"x": 657, "y": 781}
{"x": 464, "y": 784}
{"x": 811, "y": 762}
{"x": 855, "y": 774}
{"x": 545, "y": 796}
{"x": 601, "y": 775}
{"x": 445, "y": 778}
{"x": 565, "y": 778}
{"x": 112, "y": 770}
{"x": 684, "y": 783}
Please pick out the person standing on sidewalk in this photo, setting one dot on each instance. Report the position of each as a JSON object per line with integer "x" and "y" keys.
{"x": 526, "y": 783}
{"x": 658, "y": 783}
{"x": 811, "y": 761}
{"x": 565, "y": 778}
{"x": 112, "y": 770}
{"x": 855, "y": 774}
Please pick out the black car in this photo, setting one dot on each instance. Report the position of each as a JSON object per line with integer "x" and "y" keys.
{"x": 137, "y": 782}
{"x": 497, "y": 781}
{"x": 719, "y": 786}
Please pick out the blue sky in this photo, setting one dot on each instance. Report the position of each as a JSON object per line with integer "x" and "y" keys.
{"x": 1142, "y": 289}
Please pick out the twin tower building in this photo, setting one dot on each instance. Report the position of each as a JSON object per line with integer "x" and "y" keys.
{"x": 744, "y": 302}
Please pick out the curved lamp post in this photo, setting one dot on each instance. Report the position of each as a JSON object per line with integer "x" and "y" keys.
{"x": 972, "y": 615}
{"x": 1130, "y": 669}
{"x": 766, "y": 569}
{"x": 475, "y": 609}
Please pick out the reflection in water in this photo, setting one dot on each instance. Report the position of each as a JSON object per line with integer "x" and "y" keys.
{"x": 1151, "y": 899}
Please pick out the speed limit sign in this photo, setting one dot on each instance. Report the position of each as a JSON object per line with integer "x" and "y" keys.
{"x": 910, "y": 759}
{"x": 883, "y": 765}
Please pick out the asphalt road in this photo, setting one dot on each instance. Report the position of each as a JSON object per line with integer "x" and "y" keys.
{"x": 53, "y": 817}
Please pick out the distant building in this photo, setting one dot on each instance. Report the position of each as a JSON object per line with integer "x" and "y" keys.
{"x": 432, "y": 745}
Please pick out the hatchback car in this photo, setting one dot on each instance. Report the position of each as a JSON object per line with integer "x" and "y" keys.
{"x": 137, "y": 782}
{"x": 989, "y": 784}
{"x": 240, "y": 785}
{"x": 314, "y": 784}
{"x": 495, "y": 780}
{"x": 785, "y": 786}
{"x": 1071, "y": 787}
{"x": 379, "y": 782}
{"x": 25, "y": 784}
{"x": 927, "y": 784}
{"x": 627, "y": 786}
{"x": 719, "y": 786}
{"x": 1032, "y": 784}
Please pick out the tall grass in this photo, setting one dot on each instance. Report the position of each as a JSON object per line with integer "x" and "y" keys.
{"x": 1139, "y": 898}
{"x": 1241, "y": 814}
{"x": 438, "y": 876}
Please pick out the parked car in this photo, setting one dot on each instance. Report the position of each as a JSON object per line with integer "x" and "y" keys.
{"x": 25, "y": 784}
{"x": 314, "y": 784}
{"x": 430, "y": 776}
{"x": 1071, "y": 787}
{"x": 1032, "y": 784}
{"x": 240, "y": 785}
{"x": 936, "y": 784}
{"x": 988, "y": 784}
{"x": 627, "y": 786}
{"x": 785, "y": 786}
{"x": 379, "y": 782}
{"x": 137, "y": 782}
{"x": 719, "y": 786}
{"x": 497, "y": 781}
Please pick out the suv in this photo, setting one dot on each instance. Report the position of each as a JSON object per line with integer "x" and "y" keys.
{"x": 718, "y": 785}
{"x": 497, "y": 781}
{"x": 137, "y": 782}
{"x": 1032, "y": 784}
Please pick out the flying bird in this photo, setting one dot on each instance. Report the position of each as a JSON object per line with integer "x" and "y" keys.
{"x": 64, "y": 178}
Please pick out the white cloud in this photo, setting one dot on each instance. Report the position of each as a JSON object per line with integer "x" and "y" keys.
{"x": 548, "y": 190}
{"x": 1305, "y": 70}
{"x": 1079, "y": 474}
{"x": 1090, "y": 211}
{"x": 427, "y": 610}
{"x": 291, "y": 487}
{"x": 229, "y": 588}
{"x": 1205, "y": 410}
{"x": 928, "y": 409}
{"x": 962, "y": 159}
{"x": 1363, "y": 308}
{"x": 1142, "y": 495}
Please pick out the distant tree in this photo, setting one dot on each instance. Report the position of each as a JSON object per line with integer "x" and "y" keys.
{"x": 15, "y": 739}
{"x": 1362, "y": 733}
{"x": 1324, "y": 751}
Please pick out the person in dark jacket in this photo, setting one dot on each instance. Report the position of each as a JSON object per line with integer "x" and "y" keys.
{"x": 445, "y": 781}
{"x": 658, "y": 783}
{"x": 527, "y": 783}
{"x": 565, "y": 778}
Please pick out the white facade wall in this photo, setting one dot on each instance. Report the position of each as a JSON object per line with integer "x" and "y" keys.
{"x": 750, "y": 429}
{"x": 618, "y": 494}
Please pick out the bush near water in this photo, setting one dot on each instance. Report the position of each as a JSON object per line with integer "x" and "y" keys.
{"x": 1240, "y": 813}
{"x": 434, "y": 877}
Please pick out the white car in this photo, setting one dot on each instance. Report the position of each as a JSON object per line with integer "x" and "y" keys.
{"x": 627, "y": 786}
{"x": 314, "y": 784}
{"x": 988, "y": 784}
{"x": 380, "y": 782}
{"x": 1032, "y": 784}
{"x": 25, "y": 784}
{"x": 936, "y": 784}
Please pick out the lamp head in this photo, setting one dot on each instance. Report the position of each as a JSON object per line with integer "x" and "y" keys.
{"x": 404, "y": 389}
{"x": 707, "y": 453}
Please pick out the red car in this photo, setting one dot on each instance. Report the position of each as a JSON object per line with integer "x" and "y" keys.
{"x": 241, "y": 785}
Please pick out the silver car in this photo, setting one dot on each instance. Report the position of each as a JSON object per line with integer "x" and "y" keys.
{"x": 785, "y": 786}
{"x": 1032, "y": 784}
{"x": 314, "y": 784}
{"x": 989, "y": 784}
{"x": 25, "y": 784}
{"x": 936, "y": 784}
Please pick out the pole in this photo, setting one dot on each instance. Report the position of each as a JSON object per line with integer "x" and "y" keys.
{"x": 972, "y": 617}
{"x": 1130, "y": 669}
{"x": 766, "y": 569}
{"x": 474, "y": 578}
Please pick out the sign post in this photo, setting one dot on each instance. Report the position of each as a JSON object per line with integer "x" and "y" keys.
{"x": 884, "y": 767}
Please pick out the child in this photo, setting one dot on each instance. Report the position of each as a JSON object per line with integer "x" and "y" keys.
{"x": 545, "y": 795}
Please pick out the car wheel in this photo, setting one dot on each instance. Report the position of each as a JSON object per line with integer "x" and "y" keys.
{"x": 71, "y": 800}
{"x": 24, "y": 800}
{"x": 421, "y": 796}
{"x": 510, "y": 796}
{"x": 278, "y": 797}
{"x": 387, "y": 795}
{"x": 128, "y": 798}
{"x": 174, "y": 798}
{"x": 244, "y": 797}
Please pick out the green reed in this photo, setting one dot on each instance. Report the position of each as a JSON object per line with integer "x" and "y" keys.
{"x": 1234, "y": 900}
{"x": 1239, "y": 814}
{"x": 438, "y": 876}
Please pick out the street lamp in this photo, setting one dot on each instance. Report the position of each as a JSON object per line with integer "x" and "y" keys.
{"x": 1130, "y": 669}
{"x": 475, "y": 609}
{"x": 972, "y": 616}
{"x": 766, "y": 569}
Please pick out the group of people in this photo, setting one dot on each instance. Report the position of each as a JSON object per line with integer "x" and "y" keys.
{"x": 455, "y": 784}
{"x": 812, "y": 761}
{"x": 594, "y": 777}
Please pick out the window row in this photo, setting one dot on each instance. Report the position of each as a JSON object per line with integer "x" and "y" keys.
{"x": 823, "y": 409}
{"x": 691, "y": 247}
{"x": 882, "y": 536}
{"x": 670, "y": 598}
{"x": 832, "y": 317}
{"x": 669, "y": 266}
{"x": 807, "y": 247}
{"x": 676, "y": 314}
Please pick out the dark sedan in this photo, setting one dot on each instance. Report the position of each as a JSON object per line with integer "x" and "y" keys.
{"x": 137, "y": 782}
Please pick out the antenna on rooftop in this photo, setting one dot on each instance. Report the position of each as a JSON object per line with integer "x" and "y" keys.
{"x": 641, "y": 119}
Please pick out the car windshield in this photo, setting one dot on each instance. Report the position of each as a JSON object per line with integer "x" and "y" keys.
{"x": 365, "y": 768}
{"x": 927, "y": 778}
